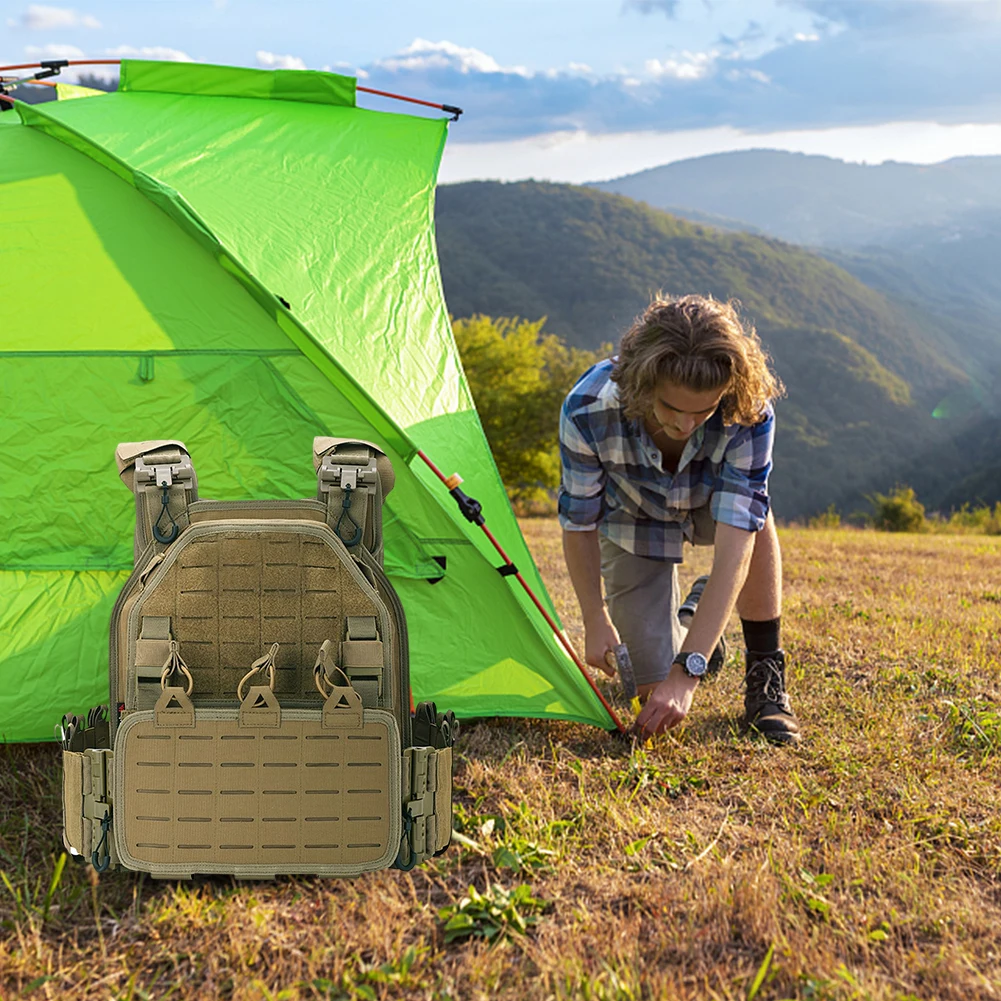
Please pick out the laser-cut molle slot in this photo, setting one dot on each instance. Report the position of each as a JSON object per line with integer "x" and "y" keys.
{"x": 232, "y": 594}
{"x": 283, "y": 802}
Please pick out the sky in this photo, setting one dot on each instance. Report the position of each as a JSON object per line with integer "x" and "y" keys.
{"x": 579, "y": 90}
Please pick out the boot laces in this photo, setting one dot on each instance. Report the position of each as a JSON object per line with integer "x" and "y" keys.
{"x": 768, "y": 674}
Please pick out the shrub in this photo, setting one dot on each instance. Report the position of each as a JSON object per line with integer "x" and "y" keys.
{"x": 898, "y": 511}
{"x": 980, "y": 520}
{"x": 826, "y": 519}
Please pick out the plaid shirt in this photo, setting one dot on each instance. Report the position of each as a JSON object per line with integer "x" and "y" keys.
{"x": 613, "y": 478}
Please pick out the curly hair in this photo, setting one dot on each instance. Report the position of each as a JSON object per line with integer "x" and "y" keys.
{"x": 700, "y": 343}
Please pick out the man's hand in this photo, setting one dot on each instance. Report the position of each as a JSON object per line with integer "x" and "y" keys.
{"x": 668, "y": 703}
{"x": 600, "y": 638}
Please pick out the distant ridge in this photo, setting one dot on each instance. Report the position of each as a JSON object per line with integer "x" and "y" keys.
{"x": 810, "y": 199}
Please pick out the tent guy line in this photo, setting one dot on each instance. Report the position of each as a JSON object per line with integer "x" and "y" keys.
{"x": 472, "y": 512}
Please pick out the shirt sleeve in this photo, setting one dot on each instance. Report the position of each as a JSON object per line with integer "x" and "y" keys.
{"x": 740, "y": 491}
{"x": 582, "y": 479}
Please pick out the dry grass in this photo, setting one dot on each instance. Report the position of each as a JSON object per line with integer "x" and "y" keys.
{"x": 866, "y": 862}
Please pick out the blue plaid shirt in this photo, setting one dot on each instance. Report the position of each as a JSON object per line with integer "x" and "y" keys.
{"x": 613, "y": 478}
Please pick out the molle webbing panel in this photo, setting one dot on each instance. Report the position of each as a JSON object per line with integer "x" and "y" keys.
{"x": 221, "y": 798}
{"x": 231, "y": 593}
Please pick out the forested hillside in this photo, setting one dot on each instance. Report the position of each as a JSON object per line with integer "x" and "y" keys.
{"x": 927, "y": 235}
{"x": 863, "y": 374}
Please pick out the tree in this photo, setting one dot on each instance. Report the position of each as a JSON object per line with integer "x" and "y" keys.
{"x": 519, "y": 376}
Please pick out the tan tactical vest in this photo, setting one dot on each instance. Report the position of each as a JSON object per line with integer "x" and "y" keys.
{"x": 260, "y": 701}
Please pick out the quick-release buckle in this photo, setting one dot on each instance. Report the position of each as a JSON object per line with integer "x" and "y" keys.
{"x": 346, "y": 473}
{"x": 157, "y": 474}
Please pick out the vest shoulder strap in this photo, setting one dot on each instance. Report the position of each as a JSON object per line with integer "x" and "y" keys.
{"x": 160, "y": 475}
{"x": 353, "y": 479}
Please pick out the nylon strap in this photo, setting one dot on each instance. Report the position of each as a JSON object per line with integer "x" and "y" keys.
{"x": 363, "y": 658}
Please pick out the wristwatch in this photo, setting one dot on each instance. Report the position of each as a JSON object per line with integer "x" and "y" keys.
{"x": 694, "y": 665}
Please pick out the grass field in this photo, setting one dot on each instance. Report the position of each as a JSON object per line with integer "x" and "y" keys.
{"x": 864, "y": 864}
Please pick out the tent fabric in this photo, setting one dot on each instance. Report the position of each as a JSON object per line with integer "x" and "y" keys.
{"x": 150, "y": 241}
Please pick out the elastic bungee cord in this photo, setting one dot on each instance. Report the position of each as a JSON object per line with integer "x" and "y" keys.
{"x": 472, "y": 511}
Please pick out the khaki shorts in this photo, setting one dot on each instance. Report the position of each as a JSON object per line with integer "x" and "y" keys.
{"x": 643, "y": 599}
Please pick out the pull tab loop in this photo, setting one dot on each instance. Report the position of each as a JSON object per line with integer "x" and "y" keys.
{"x": 173, "y": 663}
{"x": 165, "y": 537}
{"x": 327, "y": 674}
{"x": 265, "y": 663}
{"x": 346, "y": 513}
{"x": 100, "y": 857}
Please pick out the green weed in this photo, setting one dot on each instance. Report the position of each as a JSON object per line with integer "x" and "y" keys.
{"x": 644, "y": 772}
{"x": 976, "y": 727}
{"x": 494, "y": 915}
{"x": 33, "y": 902}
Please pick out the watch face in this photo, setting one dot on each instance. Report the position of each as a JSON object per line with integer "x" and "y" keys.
{"x": 696, "y": 665}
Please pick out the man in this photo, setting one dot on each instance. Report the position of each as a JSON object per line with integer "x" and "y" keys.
{"x": 670, "y": 441}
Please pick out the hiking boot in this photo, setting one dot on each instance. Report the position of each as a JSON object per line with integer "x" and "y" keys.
{"x": 767, "y": 709}
{"x": 685, "y": 613}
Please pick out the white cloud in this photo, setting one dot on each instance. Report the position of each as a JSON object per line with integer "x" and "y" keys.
{"x": 812, "y": 73}
{"x": 421, "y": 54}
{"x": 54, "y": 52}
{"x": 149, "y": 52}
{"x": 756, "y": 75}
{"x": 273, "y": 61}
{"x": 667, "y": 7}
{"x": 688, "y": 66}
{"x": 41, "y": 18}
{"x": 347, "y": 69}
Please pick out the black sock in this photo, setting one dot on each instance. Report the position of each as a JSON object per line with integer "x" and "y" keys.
{"x": 761, "y": 637}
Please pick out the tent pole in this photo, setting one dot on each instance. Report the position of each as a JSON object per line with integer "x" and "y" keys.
{"x": 51, "y": 64}
{"x": 471, "y": 511}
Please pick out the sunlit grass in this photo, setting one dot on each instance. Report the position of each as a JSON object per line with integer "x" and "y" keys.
{"x": 864, "y": 864}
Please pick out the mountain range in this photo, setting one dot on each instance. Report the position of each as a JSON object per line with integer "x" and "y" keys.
{"x": 872, "y": 367}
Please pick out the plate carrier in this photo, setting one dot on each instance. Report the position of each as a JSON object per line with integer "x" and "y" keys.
{"x": 259, "y": 684}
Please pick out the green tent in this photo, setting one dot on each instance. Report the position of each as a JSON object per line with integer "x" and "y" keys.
{"x": 150, "y": 240}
